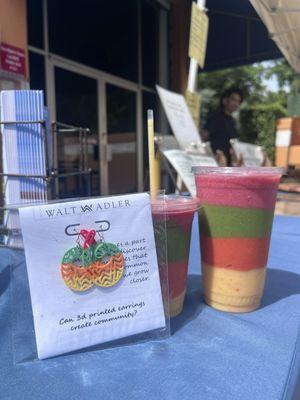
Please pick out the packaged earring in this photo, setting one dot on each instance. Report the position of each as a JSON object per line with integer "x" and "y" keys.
{"x": 92, "y": 263}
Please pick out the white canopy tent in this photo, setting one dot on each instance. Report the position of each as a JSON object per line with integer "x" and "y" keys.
{"x": 282, "y": 19}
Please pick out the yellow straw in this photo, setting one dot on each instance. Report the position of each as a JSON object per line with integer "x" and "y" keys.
{"x": 157, "y": 168}
{"x": 151, "y": 154}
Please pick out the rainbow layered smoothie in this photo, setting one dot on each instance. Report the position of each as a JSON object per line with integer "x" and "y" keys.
{"x": 235, "y": 223}
{"x": 172, "y": 218}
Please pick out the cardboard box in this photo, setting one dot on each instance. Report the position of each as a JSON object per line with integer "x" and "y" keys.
{"x": 281, "y": 154}
{"x": 292, "y": 125}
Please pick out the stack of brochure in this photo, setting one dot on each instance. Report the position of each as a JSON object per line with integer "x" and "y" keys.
{"x": 23, "y": 153}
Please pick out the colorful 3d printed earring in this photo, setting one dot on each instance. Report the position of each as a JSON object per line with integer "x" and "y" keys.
{"x": 91, "y": 263}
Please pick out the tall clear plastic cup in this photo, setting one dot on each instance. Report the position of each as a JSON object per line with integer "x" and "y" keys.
{"x": 235, "y": 223}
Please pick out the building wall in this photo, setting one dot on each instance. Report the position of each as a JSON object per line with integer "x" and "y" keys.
{"x": 13, "y": 25}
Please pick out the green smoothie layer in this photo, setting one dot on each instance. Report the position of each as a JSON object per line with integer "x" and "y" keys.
{"x": 234, "y": 222}
{"x": 178, "y": 243}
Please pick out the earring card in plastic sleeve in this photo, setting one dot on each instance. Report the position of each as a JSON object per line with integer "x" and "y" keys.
{"x": 95, "y": 276}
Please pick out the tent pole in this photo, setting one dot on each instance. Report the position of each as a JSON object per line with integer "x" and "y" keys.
{"x": 192, "y": 78}
{"x": 192, "y": 83}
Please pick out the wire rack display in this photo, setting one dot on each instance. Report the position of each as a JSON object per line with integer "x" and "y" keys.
{"x": 53, "y": 174}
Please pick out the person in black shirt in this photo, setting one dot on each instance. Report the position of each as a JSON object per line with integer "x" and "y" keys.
{"x": 221, "y": 126}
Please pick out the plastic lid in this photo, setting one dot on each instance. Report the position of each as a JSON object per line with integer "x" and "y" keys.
{"x": 174, "y": 203}
{"x": 240, "y": 171}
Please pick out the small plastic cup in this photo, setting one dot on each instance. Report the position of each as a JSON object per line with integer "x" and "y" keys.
{"x": 235, "y": 223}
{"x": 172, "y": 219}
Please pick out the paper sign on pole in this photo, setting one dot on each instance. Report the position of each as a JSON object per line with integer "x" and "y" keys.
{"x": 193, "y": 101}
{"x": 198, "y": 35}
{"x": 183, "y": 161}
{"x": 179, "y": 117}
{"x": 251, "y": 154}
{"x": 283, "y": 138}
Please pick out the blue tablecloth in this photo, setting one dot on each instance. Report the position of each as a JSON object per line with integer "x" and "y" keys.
{"x": 211, "y": 355}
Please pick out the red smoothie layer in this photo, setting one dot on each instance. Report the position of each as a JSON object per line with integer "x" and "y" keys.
{"x": 252, "y": 190}
{"x": 177, "y": 277}
{"x": 241, "y": 254}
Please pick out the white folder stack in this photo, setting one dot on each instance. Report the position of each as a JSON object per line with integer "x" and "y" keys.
{"x": 23, "y": 153}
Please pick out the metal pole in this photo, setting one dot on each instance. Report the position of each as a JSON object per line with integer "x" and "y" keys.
{"x": 47, "y": 169}
{"x": 55, "y": 158}
{"x": 81, "y": 156}
{"x": 24, "y": 176}
{"x": 85, "y": 159}
{"x": 89, "y": 182}
{"x": 21, "y": 122}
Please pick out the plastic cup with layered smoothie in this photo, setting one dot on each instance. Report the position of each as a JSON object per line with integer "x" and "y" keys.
{"x": 235, "y": 223}
{"x": 172, "y": 219}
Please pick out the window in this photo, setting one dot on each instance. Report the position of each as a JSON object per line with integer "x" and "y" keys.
{"x": 76, "y": 104}
{"x": 35, "y": 23}
{"x": 37, "y": 72}
{"x": 150, "y": 33}
{"x": 76, "y": 99}
{"x": 100, "y": 34}
{"x": 121, "y": 110}
{"x": 121, "y": 129}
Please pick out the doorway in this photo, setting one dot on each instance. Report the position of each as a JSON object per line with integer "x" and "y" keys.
{"x": 121, "y": 139}
{"x": 76, "y": 102}
{"x": 109, "y": 107}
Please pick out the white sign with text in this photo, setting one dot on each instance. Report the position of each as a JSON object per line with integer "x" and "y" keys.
{"x": 68, "y": 319}
{"x": 251, "y": 154}
{"x": 183, "y": 162}
{"x": 180, "y": 118}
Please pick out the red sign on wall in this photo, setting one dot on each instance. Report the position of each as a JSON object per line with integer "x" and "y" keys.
{"x": 12, "y": 59}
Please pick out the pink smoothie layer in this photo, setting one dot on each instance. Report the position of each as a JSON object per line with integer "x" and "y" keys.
{"x": 175, "y": 209}
{"x": 250, "y": 191}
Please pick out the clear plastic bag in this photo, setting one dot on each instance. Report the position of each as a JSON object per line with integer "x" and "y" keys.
{"x": 133, "y": 309}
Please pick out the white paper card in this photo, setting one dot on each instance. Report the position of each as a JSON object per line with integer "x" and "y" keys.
{"x": 251, "y": 153}
{"x": 283, "y": 138}
{"x": 183, "y": 162}
{"x": 67, "y": 320}
{"x": 179, "y": 117}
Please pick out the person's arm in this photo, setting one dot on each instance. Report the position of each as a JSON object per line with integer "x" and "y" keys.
{"x": 221, "y": 158}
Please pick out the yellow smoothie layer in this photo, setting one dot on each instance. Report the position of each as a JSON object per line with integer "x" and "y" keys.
{"x": 234, "y": 291}
{"x": 176, "y": 305}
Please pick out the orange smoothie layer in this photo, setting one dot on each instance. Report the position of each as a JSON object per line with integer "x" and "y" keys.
{"x": 241, "y": 254}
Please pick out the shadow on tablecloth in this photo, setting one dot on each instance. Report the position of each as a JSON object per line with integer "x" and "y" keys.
{"x": 193, "y": 303}
{"x": 8, "y": 259}
{"x": 4, "y": 279}
{"x": 279, "y": 285}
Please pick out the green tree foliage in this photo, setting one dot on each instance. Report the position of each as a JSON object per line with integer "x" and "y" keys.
{"x": 258, "y": 125}
{"x": 261, "y": 108}
{"x": 283, "y": 73}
